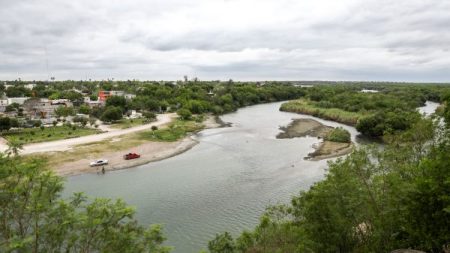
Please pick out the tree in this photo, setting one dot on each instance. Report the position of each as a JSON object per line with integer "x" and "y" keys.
{"x": 34, "y": 218}
{"x": 149, "y": 115}
{"x": 5, "y": 123}
{"x": 14, "y": 147}
{"x": 222, "y": 243}
{"x": 185, "y": 114}
{"x": 111, "y": 113}
{"x": 117, "y": 101}
{"x": 84, "y": 109}
{"x": 64, "y": 111}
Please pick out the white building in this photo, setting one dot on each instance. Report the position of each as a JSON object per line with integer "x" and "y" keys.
{"x": 19, "y": 100}
{"x": 30, "y": 86}
{"x": 129, "y": 96}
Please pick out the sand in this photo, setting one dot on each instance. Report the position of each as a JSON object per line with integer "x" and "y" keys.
{"x": 313, "y": 128}
{"x": 150, "y": 152}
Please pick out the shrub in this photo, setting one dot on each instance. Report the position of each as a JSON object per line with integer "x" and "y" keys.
{"x": 185, "y": 114}
{"x": 339, "y": 134}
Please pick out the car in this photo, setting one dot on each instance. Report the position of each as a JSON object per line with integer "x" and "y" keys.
{"x": 99, "y": 162}
{"x": 130, "y": 156}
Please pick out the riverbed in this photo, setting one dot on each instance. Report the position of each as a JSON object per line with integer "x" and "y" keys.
{"x": 222, "y": 184}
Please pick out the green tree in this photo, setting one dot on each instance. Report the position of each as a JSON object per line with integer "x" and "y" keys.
{"x": 117, "y": 101}
{"x": 222, "y": 243}
{"x": 5, "y": 123}
{"x": 84, "y": 109}
{"x": 185, "y": 114}
{"x": 111, "y": 113}
{"x": 35, "y": 219}
{"x": 14, "y": 147}
{"x": 64, "y": 111}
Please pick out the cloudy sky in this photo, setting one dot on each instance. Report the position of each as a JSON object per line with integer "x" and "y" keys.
{"x": 401, "y": 40}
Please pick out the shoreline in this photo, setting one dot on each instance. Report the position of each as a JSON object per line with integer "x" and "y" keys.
{"x": 151, "y": 151}
{"x": 318, "y": 154}
{"x": 299, "y": 128}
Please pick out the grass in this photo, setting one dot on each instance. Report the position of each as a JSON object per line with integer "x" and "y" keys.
{"x": 171, "y": 132}
{"x": 307, "y": 107}
{"x": 34, "y": 135}
{"x": 127, "y": 123}
{"x": 175, "y": 131}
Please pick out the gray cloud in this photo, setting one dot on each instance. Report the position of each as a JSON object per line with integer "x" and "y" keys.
{"x": 248, "y": 39}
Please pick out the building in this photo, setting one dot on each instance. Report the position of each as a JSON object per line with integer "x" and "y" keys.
{"x": 64, "y": 102}
{"x": 44, "y": 109}
{"x": 30, "y": 86}
{"x": 18, "y": 100}
{"x": 129, "y": 96}
{"x": 104, "y": 95}
{"x": 39, "y": 108}
{"x": 91, "y": 103}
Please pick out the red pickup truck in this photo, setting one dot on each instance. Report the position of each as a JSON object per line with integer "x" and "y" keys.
{"x": 130, "y": 156}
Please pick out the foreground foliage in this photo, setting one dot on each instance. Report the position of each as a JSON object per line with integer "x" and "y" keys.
{"x": 33, "y": 217}
{"x": 375, "y": 200}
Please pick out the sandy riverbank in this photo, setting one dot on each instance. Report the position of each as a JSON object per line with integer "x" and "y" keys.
{"x": 150, "y": 152}
{"x": 313, "y": 128}
{"x": 76, "y": 160}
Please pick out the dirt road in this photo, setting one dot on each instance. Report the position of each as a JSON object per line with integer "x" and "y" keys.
{"x": 67, "y": 144}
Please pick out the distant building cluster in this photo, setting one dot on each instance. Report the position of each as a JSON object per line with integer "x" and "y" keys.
{"x": 43, "y": 109}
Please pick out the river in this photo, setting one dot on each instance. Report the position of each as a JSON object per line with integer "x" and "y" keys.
{"x": 222, "y": 184}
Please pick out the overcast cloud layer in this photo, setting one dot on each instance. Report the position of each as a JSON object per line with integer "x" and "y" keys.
{"x": 402, "y": 40}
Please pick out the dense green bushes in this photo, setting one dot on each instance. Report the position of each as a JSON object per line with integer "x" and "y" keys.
{"x": 335, "y": 114}
{"x": 383, "y": 123}
{"x": 339, "y": 134}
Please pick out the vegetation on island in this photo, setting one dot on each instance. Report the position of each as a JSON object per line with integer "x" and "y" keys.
{"x": 387, "y": 110}
{"x": 338, "y": 134}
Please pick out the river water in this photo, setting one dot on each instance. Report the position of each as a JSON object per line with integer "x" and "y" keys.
{"x": 222, "y": 184}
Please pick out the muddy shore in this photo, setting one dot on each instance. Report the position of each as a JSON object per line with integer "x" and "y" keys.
{"x": 313, "y": 128}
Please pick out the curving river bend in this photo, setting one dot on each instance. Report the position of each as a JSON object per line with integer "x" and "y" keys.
{"x": 222, "y": 184}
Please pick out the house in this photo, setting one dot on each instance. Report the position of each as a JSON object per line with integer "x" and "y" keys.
{"x": 135, "y": 115}
{"x": 39, "y": 108}
{"x": 18, "y": 100}
{"x": 369, "y": 91}
{"x": 129, "y": 96}
{"x": 65, "y": 102}
{"x": 44, "y": 109}
{"x": 30, "y": 86}
{"x": 91, "y": 103}
{"x": 104, "y": 95}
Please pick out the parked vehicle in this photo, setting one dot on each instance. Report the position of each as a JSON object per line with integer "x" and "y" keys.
{"x": 99, "y": 162}
{"x": 130, "y": 156}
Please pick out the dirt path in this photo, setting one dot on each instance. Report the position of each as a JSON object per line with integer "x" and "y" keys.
{"x": 67, "y": 144}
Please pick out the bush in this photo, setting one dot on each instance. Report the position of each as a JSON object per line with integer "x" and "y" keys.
{"x": 185, "y": 114}
{"x": 112, "y": 113}
{"x": 154, "y": 128}
{"x": 149, "y": 115}
{"x": 339, "y": 134}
